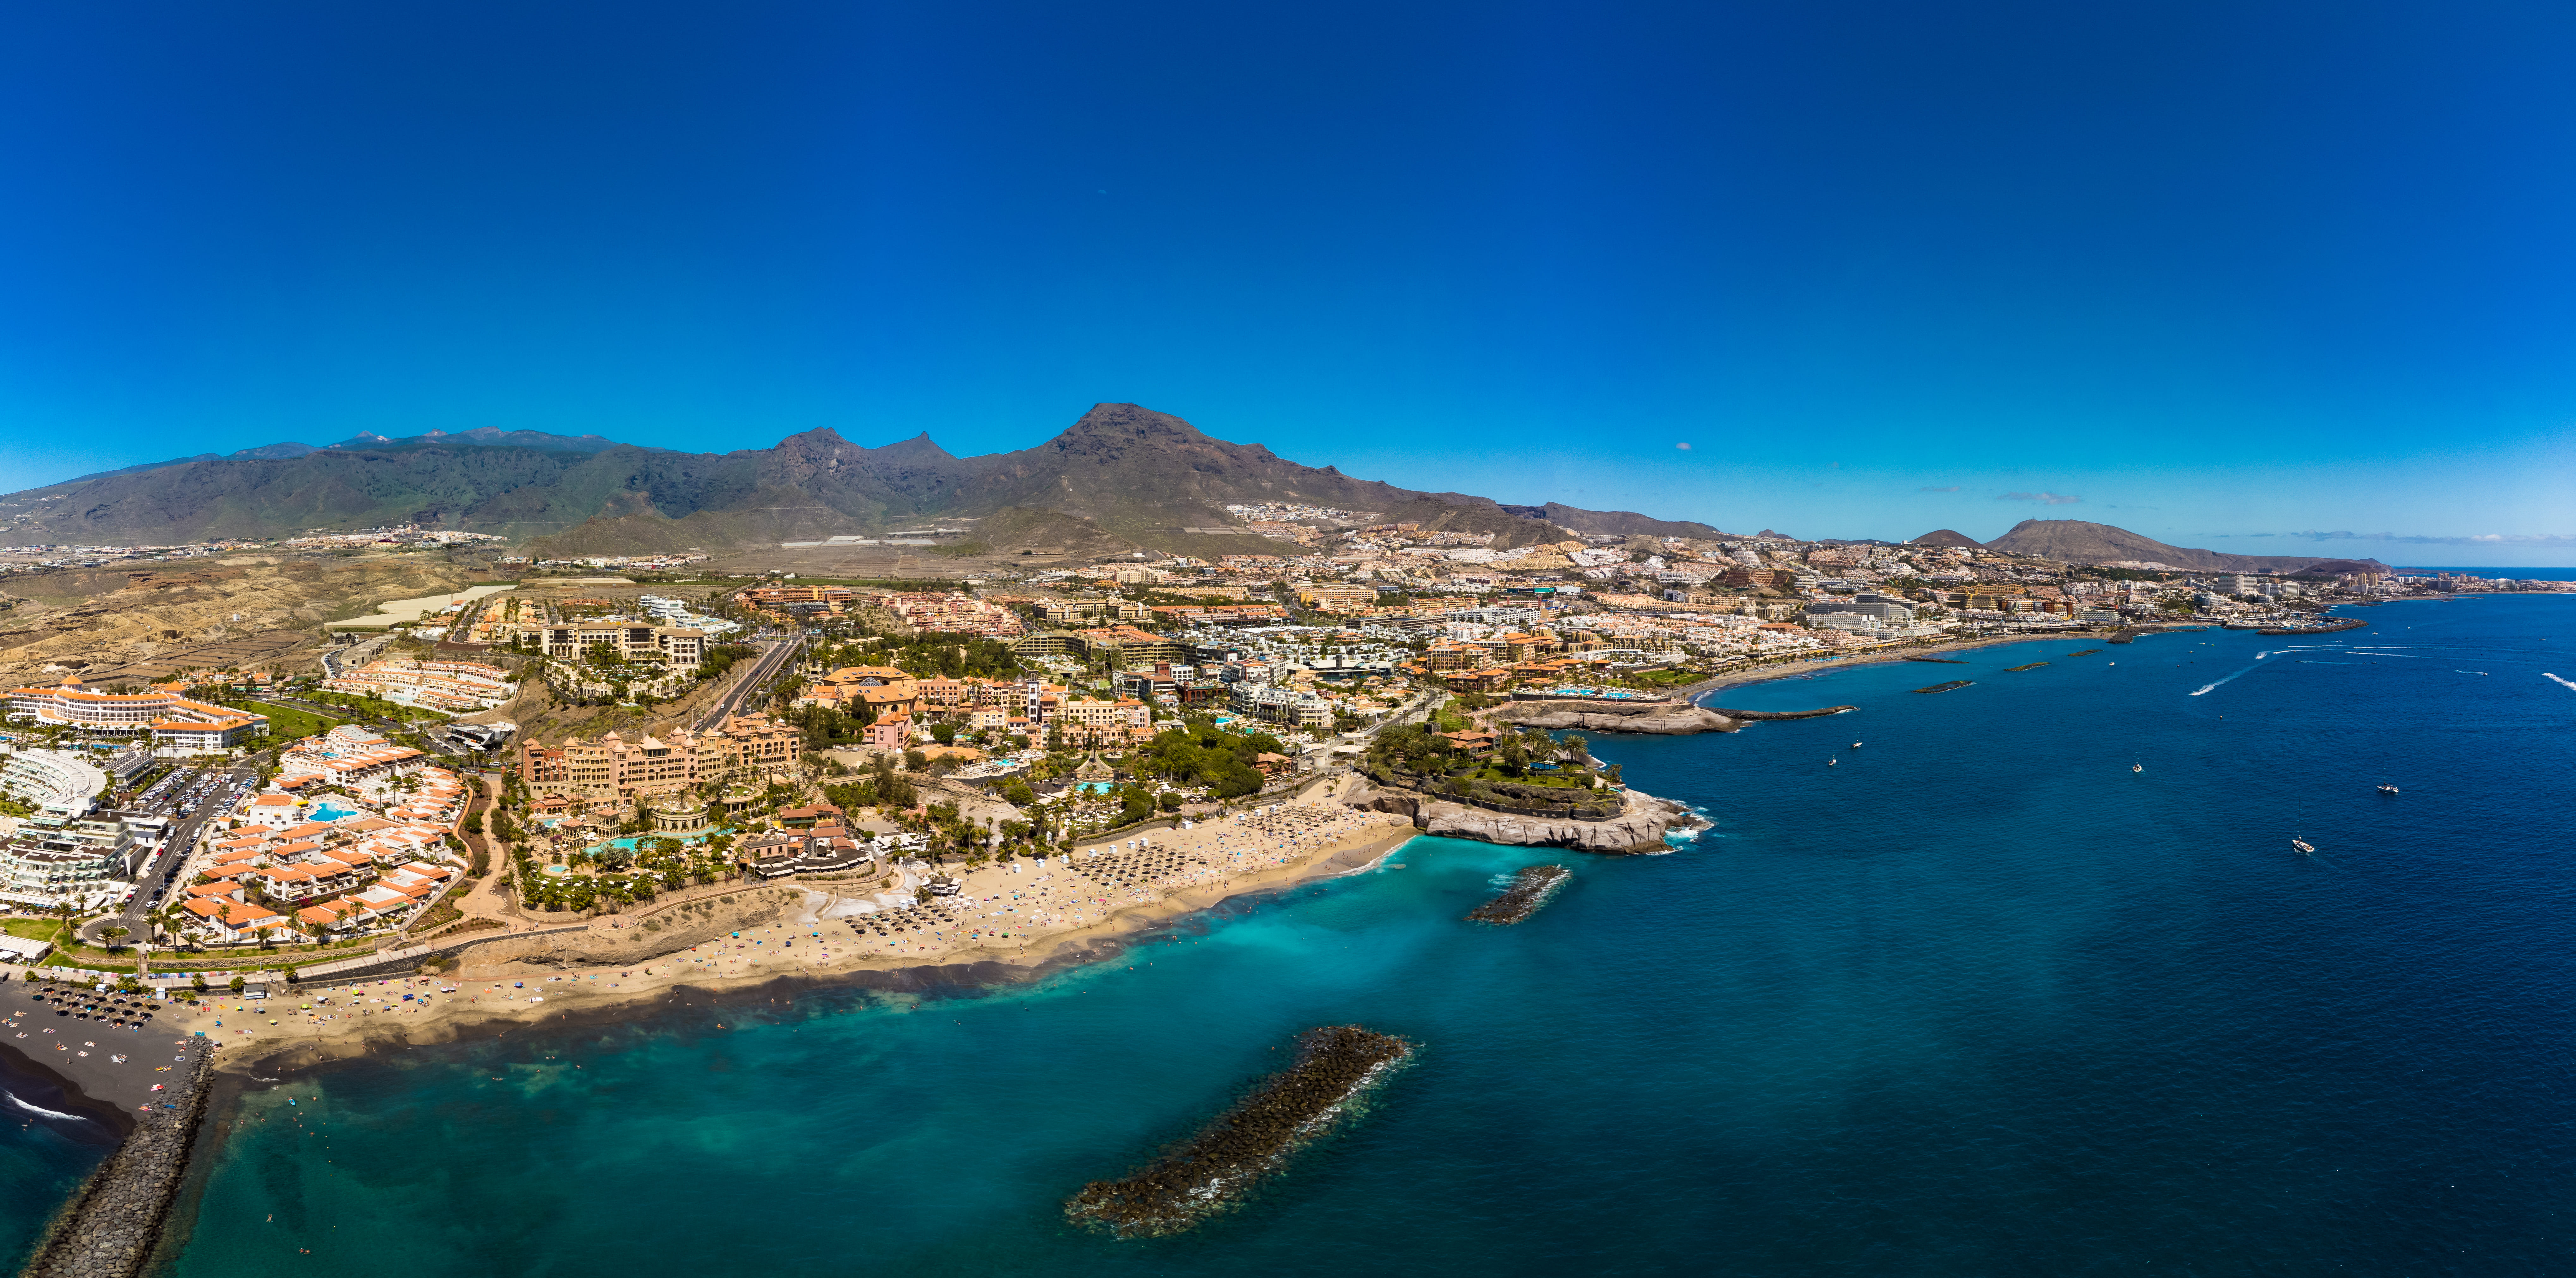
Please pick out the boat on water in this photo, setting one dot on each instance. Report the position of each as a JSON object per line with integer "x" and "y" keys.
{"x": 1831, "y": 762}
{"x": 2388, "y": 789}
{"x": 2137, "y": 767}
{"x": 2305, "y": 848}
{"x": 1855, "y": 745}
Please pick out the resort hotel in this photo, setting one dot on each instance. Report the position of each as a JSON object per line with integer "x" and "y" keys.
{"x": 172, "y": 721}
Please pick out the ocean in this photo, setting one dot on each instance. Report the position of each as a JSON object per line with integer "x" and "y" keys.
{"x": 1977, "y": 998}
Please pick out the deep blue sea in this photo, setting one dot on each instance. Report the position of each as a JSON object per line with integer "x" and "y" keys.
{"x": 1978, "y": 999}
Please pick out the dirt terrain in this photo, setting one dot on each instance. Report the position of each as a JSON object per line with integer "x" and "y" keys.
{"x": 634, "y": 937}
{"x": 138, "y": 622}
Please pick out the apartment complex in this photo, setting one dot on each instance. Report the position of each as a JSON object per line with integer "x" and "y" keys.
{"x": 439, "y": 685}
{"x": 630, "y": 640}
{"x": 615, "y": 770}
{"x": 54, "y": 856}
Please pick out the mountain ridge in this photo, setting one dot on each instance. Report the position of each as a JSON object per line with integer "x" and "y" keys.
{"x": 2080, "y": 541}
{"x": 1131, "y": 475}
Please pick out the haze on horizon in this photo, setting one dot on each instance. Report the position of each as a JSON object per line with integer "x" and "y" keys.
{"x": 2220, "y": 274}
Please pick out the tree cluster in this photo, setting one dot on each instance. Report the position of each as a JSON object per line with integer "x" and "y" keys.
{"x": 1200, "y": 754}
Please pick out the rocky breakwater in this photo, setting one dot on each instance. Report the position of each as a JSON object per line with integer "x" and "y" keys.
{"x": 1662, "y": 718}
{"x": 1639, "y": 824}
{"x": 110, "y": 1228}
{"x": 1213, "y": 1171}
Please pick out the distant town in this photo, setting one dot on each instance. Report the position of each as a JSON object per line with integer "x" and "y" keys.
{"x": 746, "y": 726}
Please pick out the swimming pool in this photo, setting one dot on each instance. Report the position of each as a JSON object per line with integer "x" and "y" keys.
{"x": 326, "y": 810}
{"x": 629, "y": 842}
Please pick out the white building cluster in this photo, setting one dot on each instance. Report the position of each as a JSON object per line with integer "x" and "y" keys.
{"x": 354, "y": 833}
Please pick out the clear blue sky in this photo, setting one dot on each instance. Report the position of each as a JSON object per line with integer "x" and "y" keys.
{"x": 2218, "y": 272}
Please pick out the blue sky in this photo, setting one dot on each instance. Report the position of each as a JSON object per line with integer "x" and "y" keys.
{"x": 2233, "y": 275}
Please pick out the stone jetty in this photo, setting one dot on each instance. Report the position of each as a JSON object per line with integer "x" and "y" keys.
{"x": 110, "y": 1227}
{"x": 1216, "y": 1169}
{"x": 1760, "y": 716}
{"x": 1529, "y": 890}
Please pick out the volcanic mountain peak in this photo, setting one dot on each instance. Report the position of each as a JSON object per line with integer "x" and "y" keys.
{"x": 1113, "y": 431}
{"x": 1948, "y": 537}
{"x": 919, "y": 448}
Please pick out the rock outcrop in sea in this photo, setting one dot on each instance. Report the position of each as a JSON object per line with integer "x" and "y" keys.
{"x": 1214, "y": 1170}
{"x": 1529, "y": 890}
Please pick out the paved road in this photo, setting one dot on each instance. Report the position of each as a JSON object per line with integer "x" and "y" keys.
{"x": 357, "y": 654}
{"x": 213, "y": 802}
{"x": 768, "y": 664}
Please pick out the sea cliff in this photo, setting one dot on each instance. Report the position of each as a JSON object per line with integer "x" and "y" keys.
{"x": 1662, "y": 718}
{"x": 1639, "y": 826}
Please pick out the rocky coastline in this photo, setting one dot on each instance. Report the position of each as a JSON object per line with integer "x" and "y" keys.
{"x": 1639, "y": 826}
{"x": 1660, "y": 718}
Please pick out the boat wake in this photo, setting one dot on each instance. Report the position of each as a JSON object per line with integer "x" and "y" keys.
{"x": 2206, "y": 689}
{"x": 2555, "y": 679}
{"x": 39, "y": 1109}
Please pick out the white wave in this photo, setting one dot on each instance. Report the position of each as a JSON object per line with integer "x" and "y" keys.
{"x": 39, "y": 1109}
{"x": 2546, "y": 675}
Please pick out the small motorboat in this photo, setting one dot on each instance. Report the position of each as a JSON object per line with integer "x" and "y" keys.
{"x": 2137, "y": 767}
{"x": 1831, "y": 762}
{"x": 1855, "y": 745}
{"x": 2388, "y": 789}
{"x": 2305, "y": 848}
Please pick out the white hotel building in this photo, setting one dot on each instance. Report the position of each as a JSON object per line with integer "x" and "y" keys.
{"x": 169, "y": 718}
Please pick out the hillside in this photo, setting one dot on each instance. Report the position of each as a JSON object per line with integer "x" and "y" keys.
{"x": 1946, "y": 537}
{"x": 2075, "y": 541}
{"x": 1121, "y": 477}
{"x": 1618, "y": 523}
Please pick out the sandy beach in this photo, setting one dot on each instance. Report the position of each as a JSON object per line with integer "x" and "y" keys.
{"x": 1008, "y": 922}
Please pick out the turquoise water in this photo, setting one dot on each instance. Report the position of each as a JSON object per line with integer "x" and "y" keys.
{"x": 326, "y": 810}
{"x": 1978, "y": 999}
{"x": 629, "y": 842}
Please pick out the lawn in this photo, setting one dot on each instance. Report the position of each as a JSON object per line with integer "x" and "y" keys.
{"x": 1665, "y": 678}
{"x": 286, "y": 723}
{"x": 34, "y": 929}
{"x": 379, "y": 708}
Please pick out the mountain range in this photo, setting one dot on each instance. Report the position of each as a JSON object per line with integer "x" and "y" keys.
{"x": 1121, "y": 477}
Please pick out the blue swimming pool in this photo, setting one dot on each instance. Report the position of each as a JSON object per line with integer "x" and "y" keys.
{"x": 327, "y": 810}
{"x": 629, "y": 842}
